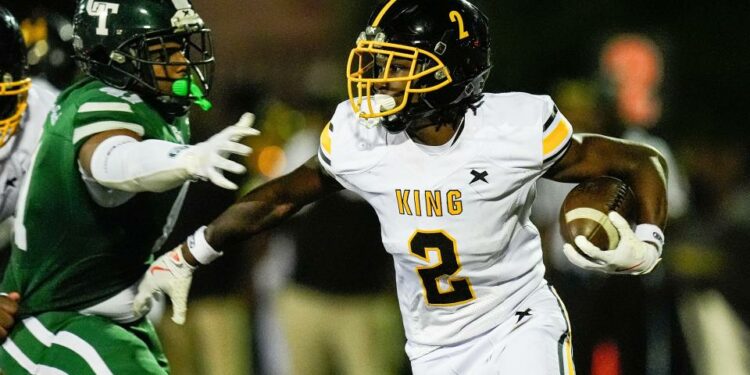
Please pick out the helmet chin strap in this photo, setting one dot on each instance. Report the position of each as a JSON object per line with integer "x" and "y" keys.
{"x": 170, "y": 107}
{"x": 394, "y": 124}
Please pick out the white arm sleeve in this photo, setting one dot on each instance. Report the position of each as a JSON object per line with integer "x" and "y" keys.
{"x": 125, "y": 164}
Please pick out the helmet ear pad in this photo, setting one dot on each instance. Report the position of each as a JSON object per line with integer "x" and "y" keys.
{"x": 466, "y": 87}
{"x": 468, "y": 91}
{"x": 469, "y": 65}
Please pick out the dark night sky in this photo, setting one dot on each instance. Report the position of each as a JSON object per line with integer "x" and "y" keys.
{"x": 536, "y": 43}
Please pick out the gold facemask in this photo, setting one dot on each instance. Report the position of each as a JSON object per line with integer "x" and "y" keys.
{"x": 9, "y": 125}
{"x": 362, "y": 61}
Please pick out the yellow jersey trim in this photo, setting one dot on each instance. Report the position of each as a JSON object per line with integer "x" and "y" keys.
{"x": 557, "y": 137}
{"x": 325, "y": 139}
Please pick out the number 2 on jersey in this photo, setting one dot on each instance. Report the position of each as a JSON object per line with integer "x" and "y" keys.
{"x": 456, "y": 290}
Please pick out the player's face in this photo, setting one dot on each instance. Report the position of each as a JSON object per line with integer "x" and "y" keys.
{"x": 397, "y": 68}
{"x": 171, "y": 53}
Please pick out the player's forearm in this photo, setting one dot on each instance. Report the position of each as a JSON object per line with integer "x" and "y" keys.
{"x": 642, "y": 167}
{"x": 648, "y": 179}
{"x": 268, "y": 205}
{"x": 255, "y": 213}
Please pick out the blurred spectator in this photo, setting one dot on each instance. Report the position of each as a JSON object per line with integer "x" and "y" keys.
{"x": 338, "y": 313}
{"x": 709, "y": 256}
{"x": 49, "y": 40}
{"x": 632, "y": 68}
{"x": 620, "y": 324}
{"x": 335, "y": 308}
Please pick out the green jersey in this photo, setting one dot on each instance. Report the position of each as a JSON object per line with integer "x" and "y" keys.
{"x": 72, "y": 247}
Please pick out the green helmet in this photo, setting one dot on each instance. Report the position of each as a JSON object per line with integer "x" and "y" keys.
{"x": 117, "y": 42}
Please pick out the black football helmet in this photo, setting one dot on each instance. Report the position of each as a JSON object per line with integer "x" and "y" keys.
{"x": 448, "y": 44}
{"x": 112, "y": 38}
{"x": 14, "y": 83}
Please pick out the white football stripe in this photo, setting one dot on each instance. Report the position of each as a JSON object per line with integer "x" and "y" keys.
{"x": 105, "y": 107}
{"x": 14, "y": 352}
{"x": 599, "y": 217}
{"x": 70, "y": 341}
{"x": 102, "y": 126}
{"x": 46, "y": 370}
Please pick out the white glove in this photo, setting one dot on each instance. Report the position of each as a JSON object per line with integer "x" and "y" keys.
{"x": 637, "y": 252}
{"x": 168, "y": 274}
{"x": 207, "y": 160}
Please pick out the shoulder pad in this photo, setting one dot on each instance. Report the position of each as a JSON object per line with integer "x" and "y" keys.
{"x": 348, "y": 144}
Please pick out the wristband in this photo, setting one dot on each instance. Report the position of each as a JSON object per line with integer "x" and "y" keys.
{"x": 652, "y": 234}
{"x": 200, "y": 248}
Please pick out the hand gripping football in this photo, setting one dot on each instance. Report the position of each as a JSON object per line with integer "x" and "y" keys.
{"x": 584, "y": 211}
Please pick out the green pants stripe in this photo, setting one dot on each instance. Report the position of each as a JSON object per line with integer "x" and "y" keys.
{"x": 57, "y": 343}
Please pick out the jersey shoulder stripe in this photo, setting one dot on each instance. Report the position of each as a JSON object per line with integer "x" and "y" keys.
{"x": 91, "y": 107}
{"x": 88, "y": 130}
{"x": 95, "y": 106}
{"x": 550, "y": 119}
{"x": 557, "y": 136}
{"x": 325, "y": 159}
{"x": 533, "y": 131}
{"x": 325, "y": 142}
{"x": 349, "y": 145}
{"x": 105, "y": 107}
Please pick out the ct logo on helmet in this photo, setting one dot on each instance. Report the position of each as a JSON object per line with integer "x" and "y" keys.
{"x": 102, "y": 10}
{"x": 185, "y": 19}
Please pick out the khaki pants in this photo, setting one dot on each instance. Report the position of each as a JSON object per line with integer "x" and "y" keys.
{"x": 353, "y": 335}
{"x": 215, "y": 339}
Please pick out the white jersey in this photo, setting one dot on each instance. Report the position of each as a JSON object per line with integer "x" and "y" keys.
{"x": 16, "y": 154}
{"x": 455, "y": 217}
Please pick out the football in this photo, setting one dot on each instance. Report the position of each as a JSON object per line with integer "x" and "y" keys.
{"x": 584, "y": 211}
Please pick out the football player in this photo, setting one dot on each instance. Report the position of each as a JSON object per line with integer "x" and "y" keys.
{"x": 23, "y": 108}
{"x": 105, "y": 186}
{"x": 451, "y": 173}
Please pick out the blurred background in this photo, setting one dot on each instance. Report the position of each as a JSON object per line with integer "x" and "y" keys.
{"x": 319, "y": 299}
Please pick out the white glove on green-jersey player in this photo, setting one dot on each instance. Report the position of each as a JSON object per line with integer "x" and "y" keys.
{"x": 123, "y": 163}
{"x": 170, "y": 274}
{"x": 208, "y": 160}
